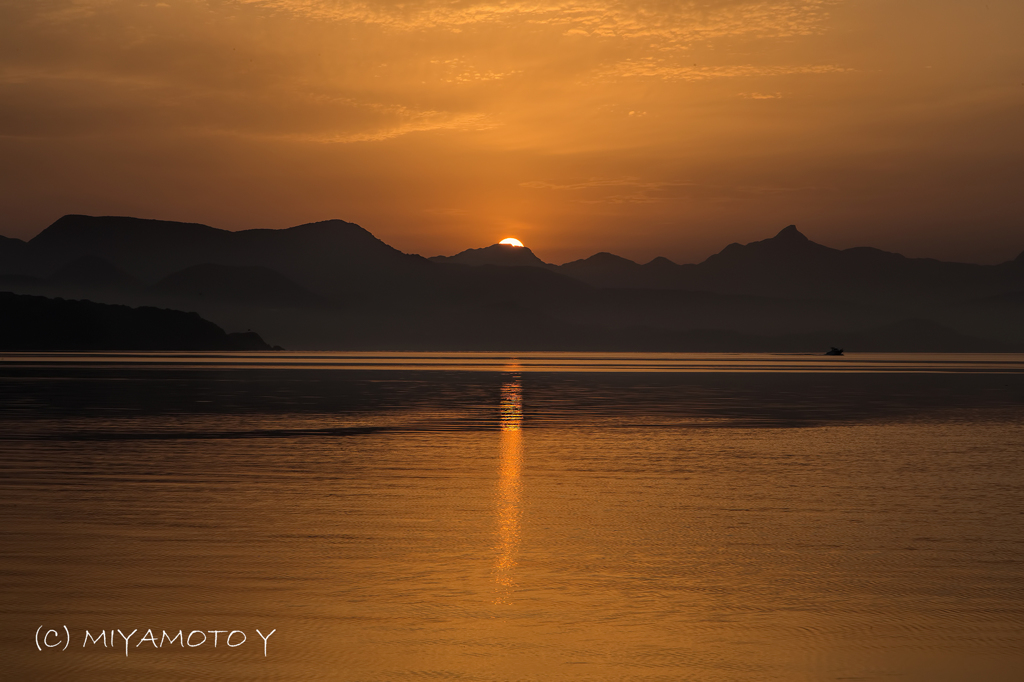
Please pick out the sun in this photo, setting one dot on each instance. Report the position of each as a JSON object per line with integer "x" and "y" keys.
{"x": 511, "y": 241}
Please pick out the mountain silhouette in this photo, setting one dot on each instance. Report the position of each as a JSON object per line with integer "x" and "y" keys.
{"x": 38, "y": 323}
{"x": 237, "y": 284}
{"x": 791, "y": 265}
{"x": 332, "y": 284}
{"x": 94, "y": 272}
{"x": 787, "y": 265}
{"x": 497, "y": 254}
{"x": 609, "y": 271}
{"x": 326, "y": 254}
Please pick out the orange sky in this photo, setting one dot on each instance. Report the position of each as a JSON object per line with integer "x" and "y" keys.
{"x": 642, "y": 128}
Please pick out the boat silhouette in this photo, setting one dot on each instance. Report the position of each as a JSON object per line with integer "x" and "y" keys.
{"x": 835, "y": 351}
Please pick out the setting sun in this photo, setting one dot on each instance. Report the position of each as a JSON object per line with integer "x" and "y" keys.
{"x": 511, "y": 241}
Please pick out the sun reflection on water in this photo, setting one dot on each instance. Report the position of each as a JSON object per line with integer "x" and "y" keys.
{"x": 509, "y": 470}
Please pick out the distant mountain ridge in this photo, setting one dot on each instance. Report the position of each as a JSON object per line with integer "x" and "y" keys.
{"x": 503, "y": 255}
{"x": 314, "y": 253}
{"x": 789, "y": 264}
{"x": 332, "y": 284}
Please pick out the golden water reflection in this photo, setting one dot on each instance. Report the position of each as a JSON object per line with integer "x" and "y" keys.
{"x": 511, "y": 410}
{"x": 509, "y": 473}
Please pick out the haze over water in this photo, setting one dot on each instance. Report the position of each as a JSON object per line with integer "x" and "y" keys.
{"x": 537, "y": 517}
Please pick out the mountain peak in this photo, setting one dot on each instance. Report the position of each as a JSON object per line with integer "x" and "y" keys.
{"x": 790, "y": 233}
{"x": 495, "y": 254}
{"x": 609, "y": 258}
{"x": 330, "y": 224}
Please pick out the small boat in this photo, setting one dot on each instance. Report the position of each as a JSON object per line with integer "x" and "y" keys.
{"x": 835, "y": 351}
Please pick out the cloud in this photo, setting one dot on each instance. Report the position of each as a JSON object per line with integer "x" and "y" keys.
{"x": 673, "y": 22}
{"x": 459, "y": 70}
{"x": 617, "y": 190}
{"x": 417, "y": 122}
{"x": 631, "y": 190}
{"x": 347, "y": 71}
{"x": 76, "y": 102}
{"x": 69, "y": 11}
{"x": 654, "y": 68}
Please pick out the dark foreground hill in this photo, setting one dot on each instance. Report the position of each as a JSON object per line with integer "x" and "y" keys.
{"x": 38, "y": 323}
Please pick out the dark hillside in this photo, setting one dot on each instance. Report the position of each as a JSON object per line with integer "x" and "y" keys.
{"x": 38, "y": 323}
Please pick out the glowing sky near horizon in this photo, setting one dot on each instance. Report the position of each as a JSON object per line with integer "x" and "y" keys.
{"x": 641, "y": 128}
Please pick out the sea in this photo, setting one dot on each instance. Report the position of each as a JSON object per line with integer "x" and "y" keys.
{"x": 370, "y": 517}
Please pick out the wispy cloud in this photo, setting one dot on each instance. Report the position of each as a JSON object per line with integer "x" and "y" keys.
{"x": 632, "y": 190}
{"x": 418, "y": 122}
{"x": 69, "y": 11}
{"x": 630, "y": 39}
{"x": 461, "y": 70}
{"x": 617, "y": 190}
{"x": 655, "y": 68}
{"x": 676, "y": 22}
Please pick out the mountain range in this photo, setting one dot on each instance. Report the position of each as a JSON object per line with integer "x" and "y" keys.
{"x": 333, "y": 285}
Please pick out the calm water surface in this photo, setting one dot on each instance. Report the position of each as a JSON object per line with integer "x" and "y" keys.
{"x": 532, "y": 517}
